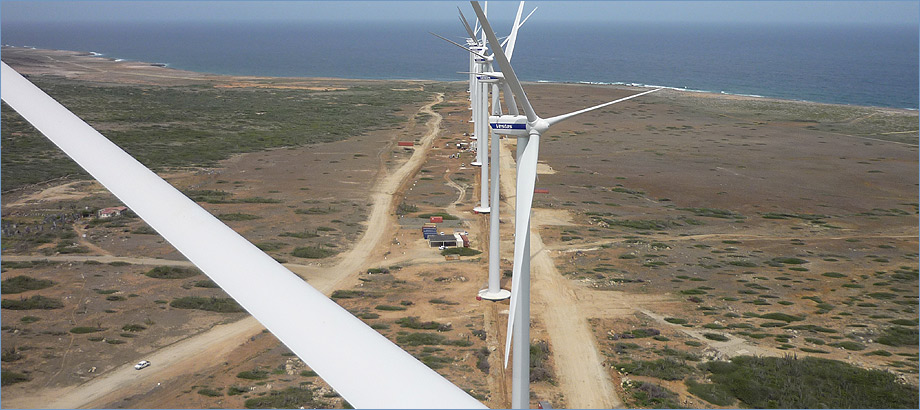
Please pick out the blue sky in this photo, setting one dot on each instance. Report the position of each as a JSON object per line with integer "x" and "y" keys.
{"x": 809, "y": 12}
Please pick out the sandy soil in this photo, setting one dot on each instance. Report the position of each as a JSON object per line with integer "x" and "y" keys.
{"x": 664, "y": 159}
{"x": 578, "y": 363}
{"x": 181, "y": 358}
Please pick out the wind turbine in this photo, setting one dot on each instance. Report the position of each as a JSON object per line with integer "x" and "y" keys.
{"x": 527, "y": 128}
{"x": 358, "y": 362}
{"x": 493, "y": 291}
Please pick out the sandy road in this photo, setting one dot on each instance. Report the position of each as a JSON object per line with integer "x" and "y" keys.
{"x": 578, "y": 364}
{"x": 185, "y": 357}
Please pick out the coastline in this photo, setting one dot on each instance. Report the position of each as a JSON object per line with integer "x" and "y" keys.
{"x": 213, "y": 76}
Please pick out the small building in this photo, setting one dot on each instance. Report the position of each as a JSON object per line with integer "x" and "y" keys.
{"x": 111, "y": 212}
{"x": 405, "y": 143}
{"x": 436, "y": 241}
{"x": 464, "y": 239}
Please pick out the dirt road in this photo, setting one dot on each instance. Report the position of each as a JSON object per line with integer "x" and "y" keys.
{"x": 186, "y": 356}
{"x": 579, "y": 366}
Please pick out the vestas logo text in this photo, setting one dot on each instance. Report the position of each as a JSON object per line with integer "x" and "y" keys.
{"x": 500, "y": 126}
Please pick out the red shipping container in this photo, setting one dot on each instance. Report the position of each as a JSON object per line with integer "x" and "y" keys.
{"x": 437, "y": 219}
{"x": 405, "y": 143}
{"x": 540, "y": 191}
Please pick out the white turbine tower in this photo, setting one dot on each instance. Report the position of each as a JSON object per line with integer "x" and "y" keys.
{"x": 527, "y": 128}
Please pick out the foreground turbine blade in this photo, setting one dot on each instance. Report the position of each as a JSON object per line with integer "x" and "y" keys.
{"x": 564, "y": 117}
{"x": 504, "y": 64}
{"x": 363, "y": 366}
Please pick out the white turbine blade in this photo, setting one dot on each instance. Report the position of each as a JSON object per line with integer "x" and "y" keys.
{"x": 466, "y": 25}
{"x": 363, "y": 366}
{"x": 512, "y": 38}
{"x": 526, "y": 180}
{"x": 485, "y": 14}
{"x": 564, "y": 117}
{"x": 457, "y": 44}
{"x": 499, "y": 56}
{"x": 528, "y": 17}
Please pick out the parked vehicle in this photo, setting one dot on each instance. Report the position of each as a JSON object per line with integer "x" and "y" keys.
{"x": 141, "y": 364}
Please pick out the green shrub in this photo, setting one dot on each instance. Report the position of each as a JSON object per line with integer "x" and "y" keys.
{"x": 811, "y": 350}
{"x": 270, "y": 246}
{"x": 389, "y": 307}
{"x": 29, "y": 319}
{"x": 650, "y": 395}
{"x": 172, "y": 272}
{"x": 212, "y": 304}
{"x": 256, "y": 374}
{"x": 676, "y": 321}
{"x": 237, "y": 217}
{"x": 713, "y": 213}
{"x": 86, "y": 329}
{"x": 713, "y": 393}
{"x": 899, "y": 336}
{"x": 665, "y": 368}
{"x": 19, "y": 284}
{"x": 419, "y": 339}
{"x": 412, "y": 322}
{"x": 301, "y": 235}
{"x": 810, "y": 382}
{"x": 133, "y": 328}
{"x": 716, "y": 336}
{"x": 209, "y": 392}
{"x": 34, "y": 302}
{"x": 539, "y": 367}
{"x": 9, "y": 377}
{"x": 290, "y": 398}
{"x": 781, "y": 316}
{"x": 234, "y": 390}
{"x": 347, "y": 294}
{"x": 848, "y": 345}
{"x": 460, "y": 251}
{"x": 789, "y": 261}
{"x": 312, "y": 252}
{"x": 207, "y": 283}
{"x": 904, "y": 322}
{"x": 834, "y": 275}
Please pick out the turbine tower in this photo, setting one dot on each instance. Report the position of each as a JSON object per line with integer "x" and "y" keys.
{"x": 527, "y": 128}
{"x": 494, "y": 291}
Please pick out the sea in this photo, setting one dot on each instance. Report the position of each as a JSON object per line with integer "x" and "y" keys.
{"x": 869, "y": 65}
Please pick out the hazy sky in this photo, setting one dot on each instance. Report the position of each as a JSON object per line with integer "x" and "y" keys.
{"x": 817, "y": 12}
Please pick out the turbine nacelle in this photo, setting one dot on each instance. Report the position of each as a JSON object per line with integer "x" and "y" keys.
{"x": 490, "y": 77}
{"x": 512, "y": 125}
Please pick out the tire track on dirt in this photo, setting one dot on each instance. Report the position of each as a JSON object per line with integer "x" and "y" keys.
{"x": 578, "y": 364}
